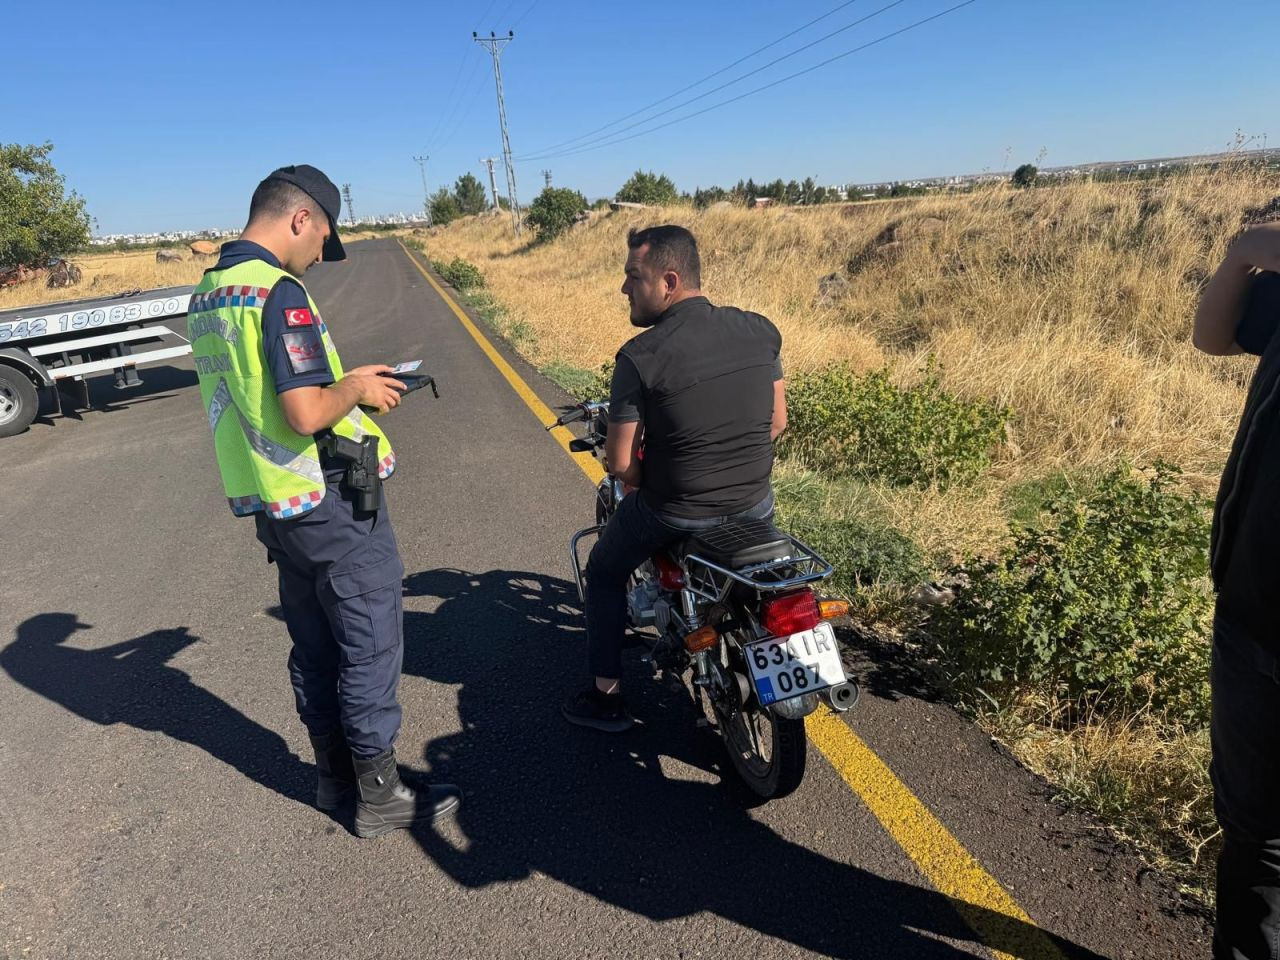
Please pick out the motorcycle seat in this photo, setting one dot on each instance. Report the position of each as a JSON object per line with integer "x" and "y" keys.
{"x": 740, "y": 543}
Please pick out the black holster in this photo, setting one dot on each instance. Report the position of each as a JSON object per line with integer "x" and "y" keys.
{"x": 361, "y": 475}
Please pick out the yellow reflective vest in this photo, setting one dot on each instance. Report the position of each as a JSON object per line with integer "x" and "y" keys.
{"x": 265, "y": 464}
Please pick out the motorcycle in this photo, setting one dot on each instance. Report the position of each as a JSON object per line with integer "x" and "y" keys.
{"x": 732, "y": 613}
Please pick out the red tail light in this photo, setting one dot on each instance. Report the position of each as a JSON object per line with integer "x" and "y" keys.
{"x": 788, "y": 613}
{"x": 670, "y": 576}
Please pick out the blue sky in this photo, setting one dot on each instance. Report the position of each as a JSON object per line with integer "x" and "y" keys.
{"x": 165, "y": 116}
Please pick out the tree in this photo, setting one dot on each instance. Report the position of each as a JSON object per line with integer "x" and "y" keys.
{"x": 470, "y": 196}
{"x": 38, "y": 219}
{"x": 1025, "y": 175}
{"x": 808, "y": 191}
{"x": 444, "y": 207}
{"x": 552, "y": 212}
{"x": 705, "y": 198}
{"x": 649, "y": 188}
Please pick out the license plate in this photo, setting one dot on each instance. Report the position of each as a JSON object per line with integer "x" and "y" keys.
{"x": 786, "y": 667}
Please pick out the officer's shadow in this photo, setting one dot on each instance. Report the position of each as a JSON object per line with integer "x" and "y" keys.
{"x": 631, "y": 819}
{"x": 133, "y": 683}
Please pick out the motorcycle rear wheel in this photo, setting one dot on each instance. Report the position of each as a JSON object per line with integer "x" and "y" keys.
{"x": 767, "y": 752}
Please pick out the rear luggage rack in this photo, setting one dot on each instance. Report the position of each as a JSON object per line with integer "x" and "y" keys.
{"x": 801, "y": 564}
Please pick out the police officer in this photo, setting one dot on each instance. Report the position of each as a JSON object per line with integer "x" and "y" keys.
{"x": 276, "y": 396}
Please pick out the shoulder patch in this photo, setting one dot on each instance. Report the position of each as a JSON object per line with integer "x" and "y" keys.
{"x": 305, "y": 350}
{"x": 298, "y": 318}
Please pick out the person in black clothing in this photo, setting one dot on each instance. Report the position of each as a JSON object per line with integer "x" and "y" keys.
{"x": 702, "y": 389}
{"x": 1239, "y": 313}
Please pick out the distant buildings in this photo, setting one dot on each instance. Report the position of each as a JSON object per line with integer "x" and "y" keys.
{"x": 1147, "y": 167}
{"x": 186, "y": 236}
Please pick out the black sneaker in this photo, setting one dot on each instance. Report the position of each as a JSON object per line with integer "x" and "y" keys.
{"x": 600, "y": 711}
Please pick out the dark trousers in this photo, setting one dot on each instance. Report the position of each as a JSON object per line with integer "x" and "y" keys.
{"x": 1245, "y": 680}
{"x": 634, "y": 534}
{"x": 340, "y": 594}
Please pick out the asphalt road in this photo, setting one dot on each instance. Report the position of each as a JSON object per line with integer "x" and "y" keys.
{"x": 155, "y": 783}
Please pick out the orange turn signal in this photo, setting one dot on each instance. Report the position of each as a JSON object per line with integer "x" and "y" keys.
{"x": 701, "y": 639}
{"x": 830, "y": 609}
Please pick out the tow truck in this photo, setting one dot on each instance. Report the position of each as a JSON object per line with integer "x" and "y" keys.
{"x": 50, "y": 349}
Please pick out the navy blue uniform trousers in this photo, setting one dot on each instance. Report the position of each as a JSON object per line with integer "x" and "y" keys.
{"x": 340, "y": 574}
{"x": 1245, "y": 679}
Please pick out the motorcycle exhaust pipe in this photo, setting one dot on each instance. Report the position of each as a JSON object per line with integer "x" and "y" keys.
{"x": 842, "y": 696}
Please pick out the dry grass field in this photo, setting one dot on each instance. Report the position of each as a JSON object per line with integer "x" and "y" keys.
{"x": 1070, "y": 304}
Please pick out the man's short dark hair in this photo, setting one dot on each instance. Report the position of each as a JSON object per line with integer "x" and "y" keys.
{"x": 278, "y": 198}
{"x": 670, "y": 248}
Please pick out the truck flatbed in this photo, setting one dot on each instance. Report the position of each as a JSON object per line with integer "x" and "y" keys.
{"x": 47, "y": 348}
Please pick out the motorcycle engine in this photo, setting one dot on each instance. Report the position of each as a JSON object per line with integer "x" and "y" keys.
{"x": 641, "y": 603}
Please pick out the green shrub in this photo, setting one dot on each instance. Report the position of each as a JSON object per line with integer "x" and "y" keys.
{"x": 553, "y": 211}
{"x": 861, "y": 542}
{"x": 843, "y": 424}
{"x": 1104, "y": 604}
{"x": 462, "y": 275}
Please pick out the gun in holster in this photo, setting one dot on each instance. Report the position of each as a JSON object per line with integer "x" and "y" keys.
{"x": 361, "y": 476}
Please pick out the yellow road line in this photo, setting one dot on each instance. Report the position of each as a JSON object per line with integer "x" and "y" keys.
{"x": 977, "y": 896}
{"x": 590, "y": 466}
{"x": 985, "y": 906}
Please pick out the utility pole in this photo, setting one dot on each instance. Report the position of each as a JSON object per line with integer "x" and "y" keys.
{"x": 346, "y": 197}
{"x": 546, "y": 176}
{"x": 426, "y": 198}
{"x": 495, "y": 45}
{"x": 493, "y": 184}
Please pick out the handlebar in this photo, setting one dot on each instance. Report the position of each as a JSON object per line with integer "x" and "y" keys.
{"x": 578, "y": 413}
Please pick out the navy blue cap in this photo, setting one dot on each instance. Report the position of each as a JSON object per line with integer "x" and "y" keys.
{"x": 323, "y": 191}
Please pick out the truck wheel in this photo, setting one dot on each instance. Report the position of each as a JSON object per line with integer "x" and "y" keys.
{"x": 18, "y": 401}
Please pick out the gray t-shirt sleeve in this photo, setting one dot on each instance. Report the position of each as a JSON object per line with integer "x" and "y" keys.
{"x": 626, "y": 394}
{"x": 777, "y": 369}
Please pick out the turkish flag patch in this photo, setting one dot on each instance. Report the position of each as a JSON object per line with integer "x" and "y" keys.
{"x": 298, "y": 318}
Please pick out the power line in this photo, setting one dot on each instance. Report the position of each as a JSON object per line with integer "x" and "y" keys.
{"x": 529, "y": 10}
{"x": 738, "y": 79}
{"x": 462, "y": 65}
{"x": 488, "y": 7}
{"x": 447, "y": 128}
{"x": 461, "y": 112}
{"x": 742, "y": 96}
{"x": 725, "y": 69}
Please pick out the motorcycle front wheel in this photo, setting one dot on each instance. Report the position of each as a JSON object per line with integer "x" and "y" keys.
{"x": 766, "y": 751}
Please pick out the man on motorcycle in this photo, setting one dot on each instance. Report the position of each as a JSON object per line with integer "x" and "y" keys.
{"x": 701, "y": 388}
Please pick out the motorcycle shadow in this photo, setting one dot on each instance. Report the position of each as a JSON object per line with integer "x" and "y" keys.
{"x": 650, "y": 821}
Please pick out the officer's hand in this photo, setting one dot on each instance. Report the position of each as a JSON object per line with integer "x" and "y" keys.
{"x": 370, "y": 370}
{"x": 375, "y": 390}
{"x": 1259, "y": 247}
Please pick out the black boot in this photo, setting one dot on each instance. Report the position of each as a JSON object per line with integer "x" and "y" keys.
{"x": 386, "y": 804}
{"x": 335, "y": 773}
